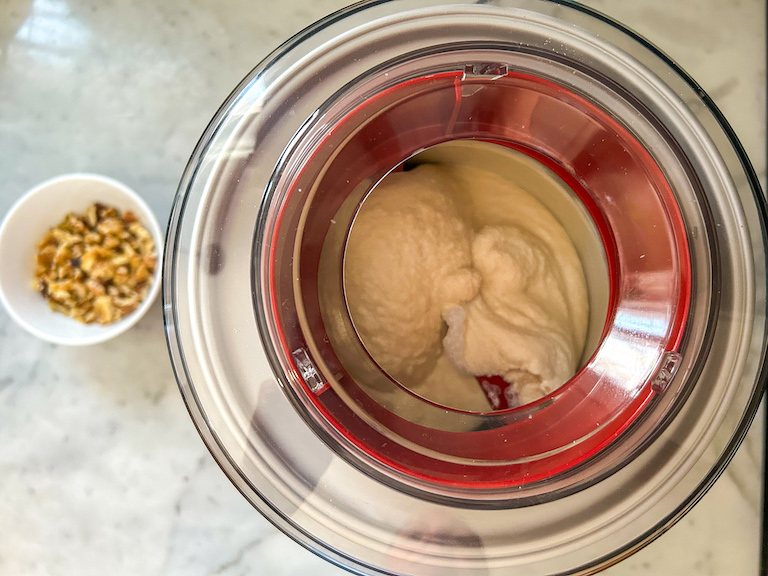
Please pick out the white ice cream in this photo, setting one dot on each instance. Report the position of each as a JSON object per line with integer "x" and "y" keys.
{"x": 453, "y": 272}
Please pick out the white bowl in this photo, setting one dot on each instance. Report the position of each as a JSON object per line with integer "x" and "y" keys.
{"x": 24, "y": 226}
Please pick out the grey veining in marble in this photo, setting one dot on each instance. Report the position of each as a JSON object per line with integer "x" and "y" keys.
{"x": 101, "y": 469}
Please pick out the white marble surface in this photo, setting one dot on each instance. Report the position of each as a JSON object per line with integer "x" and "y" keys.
{"x": 101, "y": 469}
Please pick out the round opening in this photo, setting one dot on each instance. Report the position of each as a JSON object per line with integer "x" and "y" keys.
{"x": 638, "y": 282}
{"x": 483, "y": 204}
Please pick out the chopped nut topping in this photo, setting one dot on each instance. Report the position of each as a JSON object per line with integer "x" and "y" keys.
{"x": 97, "y": 266}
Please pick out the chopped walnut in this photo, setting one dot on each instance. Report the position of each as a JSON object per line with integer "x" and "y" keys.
{"x": 97, "y": 266}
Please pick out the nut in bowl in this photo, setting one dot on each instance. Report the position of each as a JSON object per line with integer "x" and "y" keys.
{"x": 79, "y": 259}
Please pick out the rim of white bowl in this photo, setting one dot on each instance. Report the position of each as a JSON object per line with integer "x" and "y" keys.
{"x": 149, "y": 220}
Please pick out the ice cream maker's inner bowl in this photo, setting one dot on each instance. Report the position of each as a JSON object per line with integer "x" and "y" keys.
{"x": 607, "y": 191}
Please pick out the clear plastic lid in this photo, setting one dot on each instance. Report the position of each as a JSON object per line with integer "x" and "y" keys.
{"x": 673, "y": 248}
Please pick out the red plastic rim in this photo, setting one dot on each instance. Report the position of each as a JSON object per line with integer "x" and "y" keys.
{"x": 622, "y": 188}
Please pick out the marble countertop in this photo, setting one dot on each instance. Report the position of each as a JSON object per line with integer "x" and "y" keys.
{"x": 101, "y": 469}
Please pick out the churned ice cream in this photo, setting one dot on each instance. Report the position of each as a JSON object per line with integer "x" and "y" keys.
{"x": 408, "y": 262}
{"x": 453, "y": 272}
